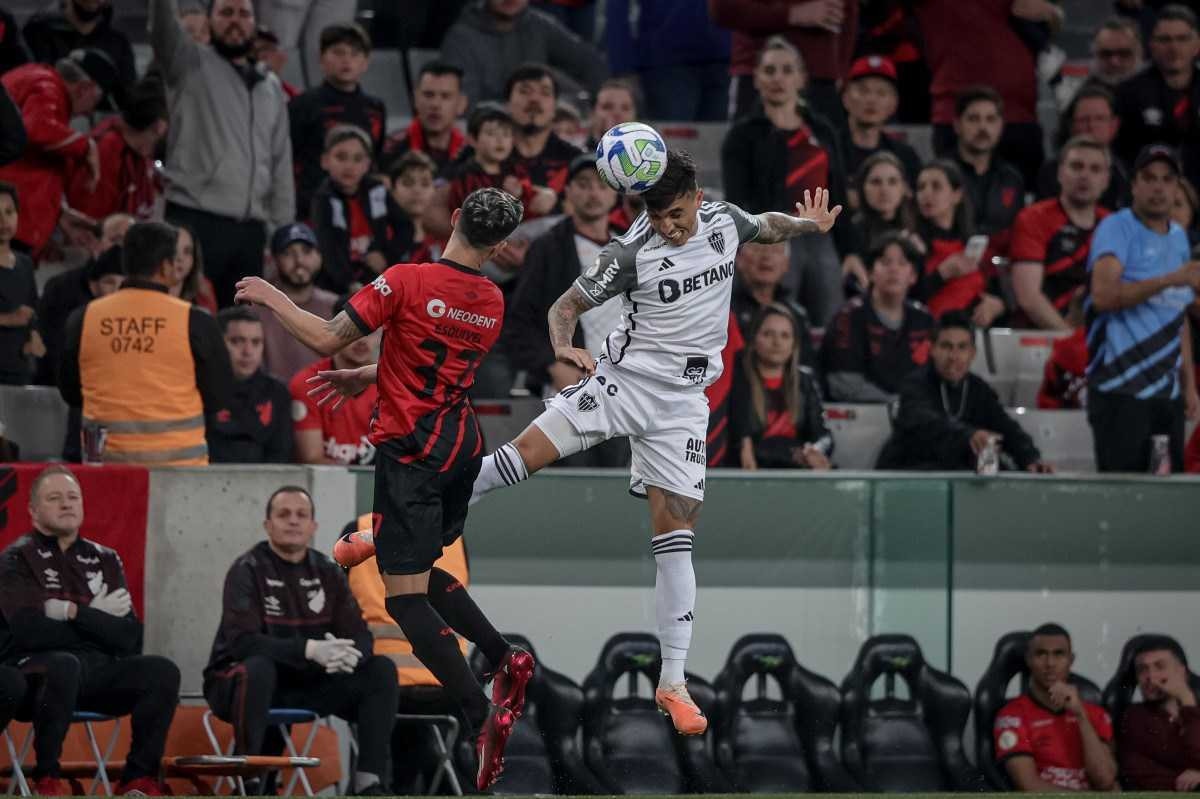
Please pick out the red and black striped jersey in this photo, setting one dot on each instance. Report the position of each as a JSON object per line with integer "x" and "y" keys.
{"x": 1042, "y": 233}
{"x": 439, "y": 320}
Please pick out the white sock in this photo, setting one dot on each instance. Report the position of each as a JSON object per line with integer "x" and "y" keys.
{"x": 364, "y": 780}
{"x": 674, "y": 601}
{"x": 504, "y": 467}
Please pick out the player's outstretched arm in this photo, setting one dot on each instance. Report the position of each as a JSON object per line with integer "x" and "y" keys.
{"x": 812, "y": 216}
{"x": 563, "y": 318}
{"x": 324, "y": 336}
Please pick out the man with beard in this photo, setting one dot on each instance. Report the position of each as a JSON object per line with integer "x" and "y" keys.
{"x": 539, "y": 153}
{"x": 1159, "y": 739}
{"x": 229, "y": 151}
{"x": 297, "y": 262}
{"x": 994, "y": 186}
{"x": 82, "y": 25}
{"x": 492, "y": 37}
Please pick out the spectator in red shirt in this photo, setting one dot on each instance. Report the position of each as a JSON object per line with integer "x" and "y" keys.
{"x": 360, "y": 228}
{"x": 824, "y": 31}
{"x": 968, "y": 44}
{"x": 438, "y": 102}
{"x": 953, "y": 279}
{"x": 775, "y": 416}
{"x": 127, "y": 143}
{"x": 297, "y": 262}
{"x": 1159, "y": 739}
{"x": 48, "y": 98}
{"x": 1064, "y": 379}
{"x": 324, "y": 435}
{"x": 1049, "y": 739}
{"x": 1051, "y": 238}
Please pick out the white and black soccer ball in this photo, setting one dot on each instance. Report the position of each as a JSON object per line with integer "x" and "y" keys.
{"x": 631, "y": 157}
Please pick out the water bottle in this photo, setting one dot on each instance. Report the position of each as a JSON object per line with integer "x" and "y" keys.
{"x": 1160, "y": 455}
{"x": 989, "y": 458}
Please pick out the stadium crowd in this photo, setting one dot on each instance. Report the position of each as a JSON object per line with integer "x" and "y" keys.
{"x": 310, "y": 186}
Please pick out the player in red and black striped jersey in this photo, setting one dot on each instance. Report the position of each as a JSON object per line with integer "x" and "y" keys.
{"x": 439, "y": 321}
{"x": 1051, "y": 238}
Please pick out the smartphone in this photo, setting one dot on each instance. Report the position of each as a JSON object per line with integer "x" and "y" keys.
{"x": 976, "y": 246}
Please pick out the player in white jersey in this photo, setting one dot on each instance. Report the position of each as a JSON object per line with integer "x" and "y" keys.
{"x": 674, "y": 270}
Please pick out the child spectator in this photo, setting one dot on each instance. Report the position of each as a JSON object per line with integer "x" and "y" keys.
{"x": 885, "y": 205}
{"x": 19, "y": 340}
{"x": 490, "y": 131}
{"x": 360, "y": 228}
{"x": 776, "y": 418}
{"x": 568, "y": 124}
{"x": 953, "y": 279}
{"x": 339, "y": 100}
{"x": 412, "y": 177}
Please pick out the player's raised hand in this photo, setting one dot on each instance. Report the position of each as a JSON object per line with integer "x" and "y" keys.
{"x": 336, "y": 385}
{"x": 816, "y": 208}
{"x": 255, "y": 291}
{"x": 576, "y": 357}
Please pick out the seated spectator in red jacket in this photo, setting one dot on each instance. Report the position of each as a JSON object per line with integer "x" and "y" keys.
{"x": 1048, "y": 739}
{"x": 438, "y": 102}
{"x": 127, "y": 143}
{"x": 412, "y": 178}
{"x": 954, "y": 279}
{"x": 297, "y": 263}
{"x": 1064, "y": 379}
{"x": 776, "y": 420}
{"x": 876, "y": 340}
{"x": 1051, "y": 238}
{"x": 1159, "y": 741}
{"x": 20, "y": 341}
{"x": 323, "y": 433}
{"x": 292, "y": 635}
{"x": 69, "y": 625}
{"x": 339, "y": 100}
{"x": 360, "y": 228}
{"x": 257, "y": 426}
{"x": 48, "y": 98}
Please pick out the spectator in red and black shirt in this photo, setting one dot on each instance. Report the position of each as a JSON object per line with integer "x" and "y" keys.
{"x": 1050, "y": 241}
{"x": 719, "y": 395}
{"x": 758, "y": 282}
{"x": 256, "y": 427}
{"x": 1159, "y": 739}
{"x": 444, "y": 318}
{"x": 1064, "y": 379}
{"x": 1161, "y": 104}
{"x": 360, "y": 228}
{"x": 339, "y": 100}
{"x": 412, "y": 177}
{"x": 876, "y": 340}
{"x": 995, "y": 187}
{"x": 885, "y": 205}
{"x": 539, "y": 154}
{"x": 292, "y": 635}
{"x": 69, "y": 625}
{"x": 438, "y": 102}
{"x": 870, "y": 97}
{"x": 770, "y": 158}
{"x": 952, "y": 280}
{"x": 1048, "y": 739}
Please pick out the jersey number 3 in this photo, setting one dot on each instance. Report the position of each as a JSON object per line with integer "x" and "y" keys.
{"x": 441, "y": 353}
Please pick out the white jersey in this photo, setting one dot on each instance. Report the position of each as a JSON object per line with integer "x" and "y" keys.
{"x": 675, "y": 314}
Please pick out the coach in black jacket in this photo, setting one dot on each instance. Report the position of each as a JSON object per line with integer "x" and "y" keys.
{"x": 292, "y": 635}
{"x": 69, "y": 626}
{"x": 947, "y": 414}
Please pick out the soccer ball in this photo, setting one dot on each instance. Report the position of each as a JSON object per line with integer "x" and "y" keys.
{"x": 631, "y": 157}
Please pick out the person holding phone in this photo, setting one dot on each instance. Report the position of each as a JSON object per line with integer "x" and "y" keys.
{"x": 956, "y": 276}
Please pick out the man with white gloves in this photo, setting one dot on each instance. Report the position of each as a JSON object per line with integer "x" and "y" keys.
{"x": 292, "y": 635}
{"x": 67, "y": 622}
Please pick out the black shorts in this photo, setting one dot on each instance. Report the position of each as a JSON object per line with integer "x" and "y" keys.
{"x": 418, "y": 512}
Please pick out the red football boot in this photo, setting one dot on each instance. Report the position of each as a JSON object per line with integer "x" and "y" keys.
{"x": 489, "y": 746}
{"x": 508, "y": 683}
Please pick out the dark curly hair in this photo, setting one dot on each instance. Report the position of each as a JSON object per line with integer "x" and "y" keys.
{"x": 488, "y": 217}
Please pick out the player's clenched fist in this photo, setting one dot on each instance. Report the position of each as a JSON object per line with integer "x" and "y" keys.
{"x": 576, "y": 357}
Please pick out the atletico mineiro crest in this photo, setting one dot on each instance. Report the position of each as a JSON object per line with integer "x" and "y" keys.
{"x": 716, "y": 240}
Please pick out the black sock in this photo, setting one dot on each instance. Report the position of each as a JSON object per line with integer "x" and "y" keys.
{"x": 449, "y": 598}
{"x": 435, "y": 646}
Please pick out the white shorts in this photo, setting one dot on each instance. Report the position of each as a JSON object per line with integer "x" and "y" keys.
{"x": 667, "y": 426}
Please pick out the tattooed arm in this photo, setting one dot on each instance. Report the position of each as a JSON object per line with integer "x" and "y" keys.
{"x": 563, "y": 317}
{"x": 812, "y": 216}
{"x": 324, "y": 336}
